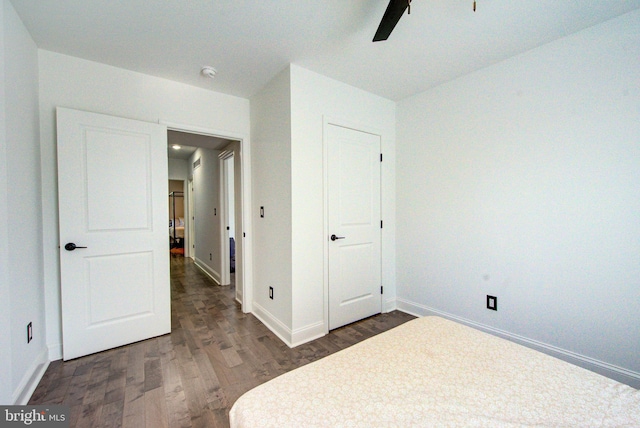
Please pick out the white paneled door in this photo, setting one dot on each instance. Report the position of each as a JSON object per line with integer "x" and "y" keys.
{"x": 353, "y": 161}
{"x": 114, "y": 253}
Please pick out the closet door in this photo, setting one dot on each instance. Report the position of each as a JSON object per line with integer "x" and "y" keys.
{"x": 114, "y": 255}
{"x": 354, "y": 225}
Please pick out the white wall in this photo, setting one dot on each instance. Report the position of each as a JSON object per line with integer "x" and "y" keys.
{"x": 271, "y": 175}
{"x": 206, "y": 201}
{"x": 287, "y": 119}
{"x": 5, "y": 290}
{"x": 522, "y": 181}
{"x": 84, "y": 85}
{"x": 178, "y": 170}
{"x": 313, "y": 98}
{"x": 20, "y": 208}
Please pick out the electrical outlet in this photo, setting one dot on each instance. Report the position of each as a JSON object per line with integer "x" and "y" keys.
{"x": 271, "y": 293}
{"x": 492, "y": 303}
{"x": 29, "y": 332}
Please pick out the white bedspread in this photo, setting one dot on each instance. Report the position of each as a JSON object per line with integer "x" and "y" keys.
{"x": 179, "y": 231}
{"x": 433, "y": 372}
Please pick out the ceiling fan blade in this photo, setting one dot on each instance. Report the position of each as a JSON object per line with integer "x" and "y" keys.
{"x": 392, "y": 15}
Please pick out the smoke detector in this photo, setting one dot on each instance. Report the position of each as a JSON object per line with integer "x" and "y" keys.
{"x": 208, "y": 71}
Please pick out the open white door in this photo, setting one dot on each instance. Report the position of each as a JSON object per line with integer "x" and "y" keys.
{"x": 354, "y": 225}
{"x": 112, "y": 184}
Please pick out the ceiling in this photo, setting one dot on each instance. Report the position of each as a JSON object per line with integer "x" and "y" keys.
{"x": 190, "y": 142}
{"x": 250, "y": 41}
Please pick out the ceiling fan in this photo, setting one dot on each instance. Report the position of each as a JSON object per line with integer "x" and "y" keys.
{"x": 391, "y": 16}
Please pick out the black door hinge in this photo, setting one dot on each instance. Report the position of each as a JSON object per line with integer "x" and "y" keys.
{"x": 380, "y": 157}
{"x": 381, "y": 225}
{"x": 381, "y": 289}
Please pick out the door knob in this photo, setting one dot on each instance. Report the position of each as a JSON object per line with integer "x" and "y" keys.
{"x": 334, "y": 237}
{"x": 71, "y": 246}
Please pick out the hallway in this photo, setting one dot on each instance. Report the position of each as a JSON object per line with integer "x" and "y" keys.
{"x": 191, "y": 377}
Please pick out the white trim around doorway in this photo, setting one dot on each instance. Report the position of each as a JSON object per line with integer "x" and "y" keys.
{"x": 244, "y": 230}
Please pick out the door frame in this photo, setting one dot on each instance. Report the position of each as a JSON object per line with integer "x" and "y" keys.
{"x": 225, "y": 251}
{"x": 244, "y": 263}
{"x": 328, "y": 121}
{"x": 190, "y": 220}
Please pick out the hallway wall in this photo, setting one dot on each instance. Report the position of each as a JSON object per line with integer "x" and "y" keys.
{"x": 206, "y": 202}
{"x": 21, "y": 272}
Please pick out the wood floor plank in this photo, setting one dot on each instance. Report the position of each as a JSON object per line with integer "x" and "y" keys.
{"x": 208, "y": 375}
{"x": 135, "y": 364}
{"x": 79, "y": 383}
{"x": 152, "y": 374}
{"x": 223, "y": 373}
{"x": 88, "y": 415}
{"x": 56, "y": 391}
{"x": 98, "y": 382}
{"x": 110, "y": 415}
{"x": 231, "y": 357}
{"x": 175, "y": 399}
{"x": 116, "y": 383}
{"x": 192, "y": 377}
{"x": 133, "y": 413}
{"x": 196, "y": 399}
{"x": 155, "y": 409}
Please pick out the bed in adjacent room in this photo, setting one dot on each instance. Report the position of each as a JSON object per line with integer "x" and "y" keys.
{"x": 176, "y": 213}
{"x": 176, "y": 232}
{"x": 434, "y": 372}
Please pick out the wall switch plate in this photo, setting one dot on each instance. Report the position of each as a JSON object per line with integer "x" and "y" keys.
{"x": 492, "y": 303}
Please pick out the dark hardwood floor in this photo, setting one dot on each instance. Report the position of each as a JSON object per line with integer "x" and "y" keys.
{"x": 191, "y": 377}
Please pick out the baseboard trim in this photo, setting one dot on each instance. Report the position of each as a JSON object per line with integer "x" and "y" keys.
{"x": 215, "y": 276}
{"x": 55, "y": 351}
{"x": 611, "y": 371}
{"x": 31, "y": 379}
{"x": 291, "y": 338}
{"x": 307, "y": 334}
{"x": 389, "y": 305}
{"x": 272, "y": 323}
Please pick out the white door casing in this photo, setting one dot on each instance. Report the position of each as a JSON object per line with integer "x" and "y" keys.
{"x": 191, "y": 224}
{"x": 242, "y": 182}
{"x": 227, "y": 218}
{"x": 224, "y": 218}
{"x": 112, "y": 184}
{"x": 353, "y": 199}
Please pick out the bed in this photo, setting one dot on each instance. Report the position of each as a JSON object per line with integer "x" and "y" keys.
{"x": 176, "y": 221}
{"x": 176, "y": 232}
{"x": 434, "y": 372}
